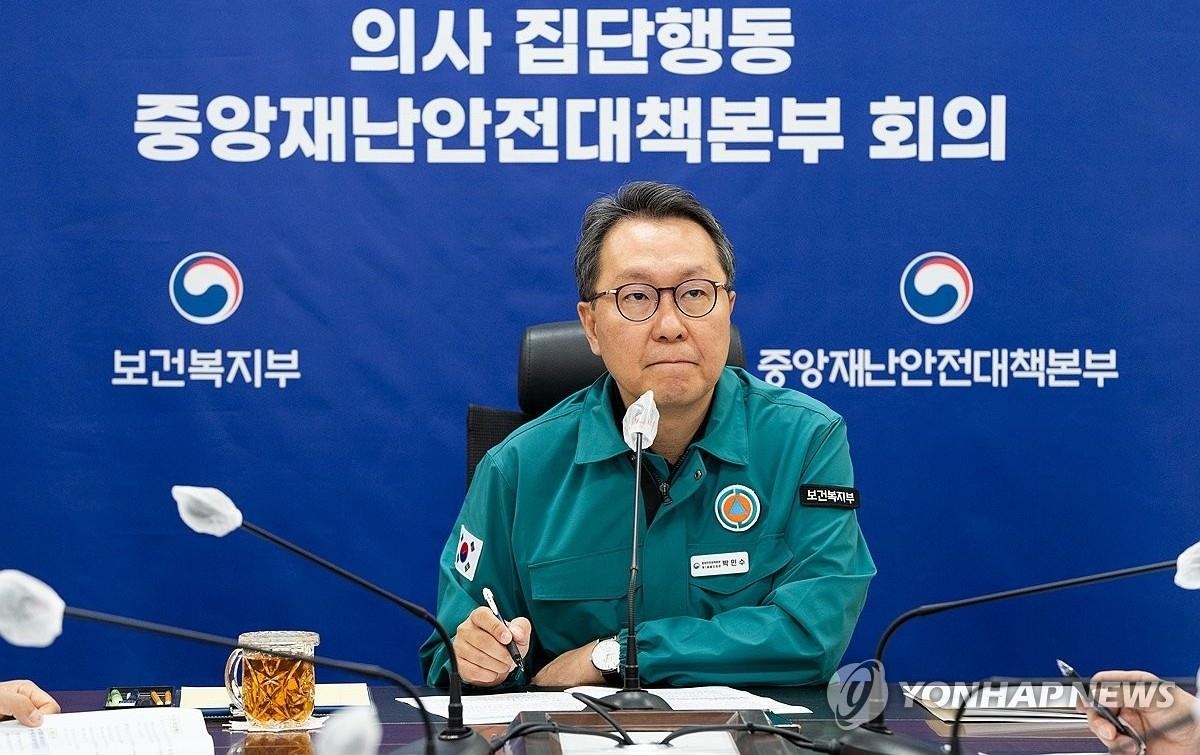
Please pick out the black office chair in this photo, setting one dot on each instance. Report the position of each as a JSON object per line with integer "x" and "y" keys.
{"x": 555, "y": 361}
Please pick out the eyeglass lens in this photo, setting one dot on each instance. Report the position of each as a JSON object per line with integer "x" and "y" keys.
{"x": 694, "y": 298}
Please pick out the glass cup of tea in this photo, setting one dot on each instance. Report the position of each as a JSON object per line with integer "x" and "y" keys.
{"x": 274, "y": 692}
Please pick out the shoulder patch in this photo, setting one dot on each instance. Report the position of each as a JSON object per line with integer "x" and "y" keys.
{"x": 466, "y": 558}
{"x": 829, "y": 496}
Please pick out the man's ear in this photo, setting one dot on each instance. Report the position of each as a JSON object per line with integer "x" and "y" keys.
{"x": 587, "y": 318}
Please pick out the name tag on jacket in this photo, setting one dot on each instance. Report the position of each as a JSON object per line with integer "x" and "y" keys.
{"x": 712, "y": 564}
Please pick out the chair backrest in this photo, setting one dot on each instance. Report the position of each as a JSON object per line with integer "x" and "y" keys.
{"x": 555, "y": 361}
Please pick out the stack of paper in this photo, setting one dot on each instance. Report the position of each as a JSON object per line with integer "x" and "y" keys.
{"x": 147, "y": 731}
{"x": 504, "y": 707}
{"x": 328, "y": 696}
{"x": 1027, "y": 708}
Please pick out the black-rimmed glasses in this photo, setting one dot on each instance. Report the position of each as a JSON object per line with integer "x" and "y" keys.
{"x": 638, "y": 302}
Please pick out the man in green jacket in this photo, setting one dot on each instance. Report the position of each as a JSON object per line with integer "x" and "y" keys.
{"x": 754, "y": 570}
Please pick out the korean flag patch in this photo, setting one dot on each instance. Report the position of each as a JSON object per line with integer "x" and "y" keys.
{"x": 466, "y": 559}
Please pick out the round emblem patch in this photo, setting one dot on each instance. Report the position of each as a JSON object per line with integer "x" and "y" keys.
{"x": 737, "y": 508}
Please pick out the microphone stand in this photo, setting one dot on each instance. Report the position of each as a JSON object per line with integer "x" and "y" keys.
{"x": 456, "y": 738}
{"x": 361, "y": 669}
{"x": 875, "y": 738}
{"x": 632, "y": 696}
{"x": 955, "y": 746}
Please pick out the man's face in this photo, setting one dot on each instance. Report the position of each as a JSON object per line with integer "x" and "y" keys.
{"x": 678, "y": 357}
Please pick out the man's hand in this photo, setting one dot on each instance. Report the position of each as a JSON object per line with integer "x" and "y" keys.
{"x": 25, "y": 701}
{"x": 1156, "y": 704}
{"x": 572, "y": 668}
{"x": 480, "y": 644}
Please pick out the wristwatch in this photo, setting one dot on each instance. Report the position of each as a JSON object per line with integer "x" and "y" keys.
{"x": 606, "y": 657}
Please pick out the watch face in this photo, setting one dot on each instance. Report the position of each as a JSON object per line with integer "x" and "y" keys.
{"x": 606, "y": 656}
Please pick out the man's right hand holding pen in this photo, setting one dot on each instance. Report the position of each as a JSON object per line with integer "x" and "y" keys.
{"x": 481, "y": 644}
{"x": 1160, "y": 707}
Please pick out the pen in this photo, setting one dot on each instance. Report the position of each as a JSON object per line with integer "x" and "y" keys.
{"x": 1104, "y": 712}
{"x": 512, "y": 645}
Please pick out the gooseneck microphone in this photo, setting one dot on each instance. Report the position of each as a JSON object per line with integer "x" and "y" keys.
{"x": 31, "y": 615}
{"x": 875, "y": 738}
{"x": 210, "y": 511}
{"x": 639, "y": 428}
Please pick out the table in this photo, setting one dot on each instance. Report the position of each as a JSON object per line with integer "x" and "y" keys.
{"x": 401, "y": 725}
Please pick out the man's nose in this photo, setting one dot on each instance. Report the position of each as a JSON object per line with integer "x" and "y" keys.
{"x": 668, "y": 320}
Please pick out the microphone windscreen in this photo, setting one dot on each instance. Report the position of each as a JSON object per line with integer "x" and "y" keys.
{"x": 207, "y": 510}
{"x": 31, "y": 613}
{"x": 1187, "y": 568}
{"x": 641, "y": 418}
{"x": 350, "y": 731}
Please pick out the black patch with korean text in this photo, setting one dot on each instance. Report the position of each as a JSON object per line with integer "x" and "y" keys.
{"x": 829, "y": 496}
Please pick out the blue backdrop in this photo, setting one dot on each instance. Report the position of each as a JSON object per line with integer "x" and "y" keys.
{"x": 380, "y": 198}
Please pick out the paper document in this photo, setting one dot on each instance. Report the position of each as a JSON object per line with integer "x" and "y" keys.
{"x": 1024, "y": 702}
{"x": 1042, "y": 710}
{"x": 142, "y": 731}
{"x": 707, "y": 698}
{"x": 328, "y": 696}
{"x": 500, "y": 708}
{"x": 504, "y": 707}
{"x": 701, "y": 743}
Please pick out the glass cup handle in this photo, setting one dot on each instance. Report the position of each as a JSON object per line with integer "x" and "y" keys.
{"x": 233, "y": 685}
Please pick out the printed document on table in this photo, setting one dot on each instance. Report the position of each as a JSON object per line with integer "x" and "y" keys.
{"x": 1021, "y": 703}
{"x": 700, "y": 743}
{"x": 499, "y": 708}
{"x": 504, "y": 707}
{"x": 145, "y": 731}
{"x": 707, "y": 698}
{"x": 328, "y": 696}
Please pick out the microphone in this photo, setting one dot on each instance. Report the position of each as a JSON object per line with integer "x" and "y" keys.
{"x": 31, "y": 615}
{"x": 875, "y": 738}
{"x": 211, "y": 512}
{"x": 639, "y": 429}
